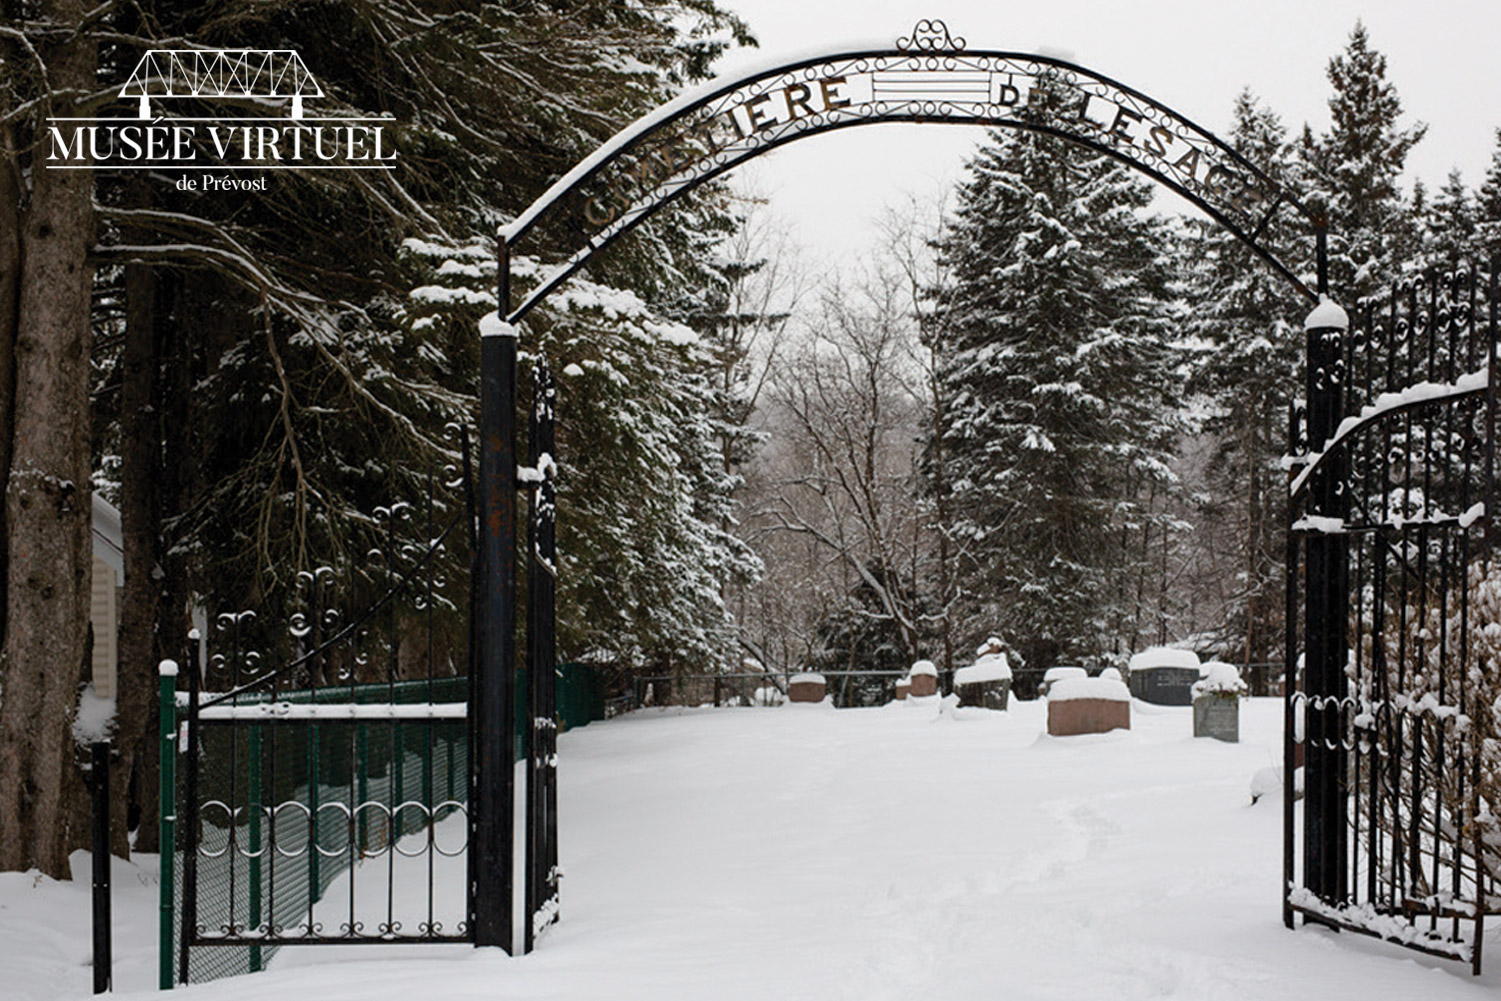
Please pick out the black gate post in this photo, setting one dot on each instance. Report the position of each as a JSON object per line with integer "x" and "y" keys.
{"x": 1326, "y": 611}
{"x": 541, "y": 736}
{"x": 495, "y": 713}
{"x": 103, "y": 938}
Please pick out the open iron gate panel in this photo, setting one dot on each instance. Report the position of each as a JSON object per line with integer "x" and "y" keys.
{"x": 1393, "y": 675}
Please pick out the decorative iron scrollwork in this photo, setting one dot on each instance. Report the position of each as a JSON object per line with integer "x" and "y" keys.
{"x": 930, "y": 35}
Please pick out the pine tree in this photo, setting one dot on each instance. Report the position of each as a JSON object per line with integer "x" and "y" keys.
{"x": 1246, "y": 371}
{"x": 644, "y": 545}
{"x": 1063, "y": 408}
{"x": 271, "y": 393}
{"x": 47, "y": 230}
{"x": 1488, "y": 206}
{"x": 1356, "y": 168}
{"x": 1449, "y": 226}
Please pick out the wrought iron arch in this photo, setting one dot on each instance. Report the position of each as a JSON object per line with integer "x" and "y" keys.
{"x": 929, "y": 77}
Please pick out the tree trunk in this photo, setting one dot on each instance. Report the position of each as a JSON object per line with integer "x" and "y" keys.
{"x": 140, "y": 520}
{"x": 10, "y": 302}
{"x": 47, "y": 514}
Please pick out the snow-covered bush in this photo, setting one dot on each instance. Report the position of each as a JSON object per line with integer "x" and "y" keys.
{"x": 1220, "y": 680}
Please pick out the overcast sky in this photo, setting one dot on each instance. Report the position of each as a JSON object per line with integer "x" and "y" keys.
{"x": 1194, "y": 56}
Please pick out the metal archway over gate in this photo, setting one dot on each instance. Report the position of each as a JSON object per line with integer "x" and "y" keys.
{"x": 928, "y": 77}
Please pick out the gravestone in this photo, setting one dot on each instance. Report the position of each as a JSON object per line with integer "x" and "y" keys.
{"x": 1088, "y": 705}
{"x": 924, "y": 679}
{"x": 1216, "y": 701}
{"x": 987, "y": 682}
{"x": 1217, "y": 716}
{"x": 806, "y": 688}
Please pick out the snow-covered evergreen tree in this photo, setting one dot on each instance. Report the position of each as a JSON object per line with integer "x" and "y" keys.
{"x": 1065, "y": 399}
{"x": 313, "y": 400}
{"x": 1488, "y": 206}
{"x": 644, "y": 546}
{"x": 1356, "y": 168}
{"x": 1449, "y": 227}
{"x": 1247, "y": 367}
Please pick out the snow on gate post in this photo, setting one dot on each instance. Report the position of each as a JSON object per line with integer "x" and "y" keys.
{"x": 1326, "y": 609}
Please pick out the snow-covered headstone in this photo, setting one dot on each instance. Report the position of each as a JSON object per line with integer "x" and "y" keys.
{"x": 1164, "y": 675}
{"x": 924, "y": 679}
{"x": 987, "y": 682}
{"x": 1088, "y": 705}
{"x": 806, "y": 687}
{"x": 1216, "y": 699}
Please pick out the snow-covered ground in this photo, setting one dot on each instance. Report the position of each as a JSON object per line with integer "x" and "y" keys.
{"x": 806, "y": 853}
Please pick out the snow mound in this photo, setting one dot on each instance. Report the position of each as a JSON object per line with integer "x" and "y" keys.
{"x": 1071, "y": 689}
{"x": 807, "y": 678}
{"x": 1111, "y": 674}
{"x": 1063, "y": 674}
{"x": 768, "y": 696}
{"x": 1268, "y": 781}
{"x": 923, "y": 667}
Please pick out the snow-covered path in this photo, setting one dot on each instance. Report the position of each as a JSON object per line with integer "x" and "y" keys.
{"x": 803, "y": 852}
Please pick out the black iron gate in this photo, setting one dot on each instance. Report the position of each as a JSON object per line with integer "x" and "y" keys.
{"x": 325, "y": 756}
{"x": 1394, "y": 675}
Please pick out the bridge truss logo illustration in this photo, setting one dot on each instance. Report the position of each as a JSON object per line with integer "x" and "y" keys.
{"x": 248, "y": 74}
{"x": 268, "y": 131}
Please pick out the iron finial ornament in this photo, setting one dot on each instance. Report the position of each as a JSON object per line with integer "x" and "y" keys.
{"x": 930, "y": 35}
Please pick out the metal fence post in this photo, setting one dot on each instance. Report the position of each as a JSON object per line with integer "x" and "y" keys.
{"x": 495, "y": 712}
{"x": 167, "y": 806}
{"x": 541, "y": 733}
{"x": 1290, "y": 676}
{"x": 99, "y": 775}
{"x": 190, "y": 806}
{"x": 1327, "y": 608}
{"x": 253, "y": 808}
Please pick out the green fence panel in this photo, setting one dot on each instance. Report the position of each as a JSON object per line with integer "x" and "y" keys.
{"x": 261, "y": 769}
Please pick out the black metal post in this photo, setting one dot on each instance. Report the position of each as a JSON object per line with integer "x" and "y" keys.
{"x": 103, "y": 947}
{"x": 495, "y": 722}
{"x": 1289, "y": 680}
{"x": 1321, "y": 254}
{"x": 541, "y": 787}
{"x": 1326, "y": 611}
{"x": 190, "y": 811}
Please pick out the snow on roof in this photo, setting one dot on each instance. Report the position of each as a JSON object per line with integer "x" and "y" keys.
{"x": 923, "y": 667}
{"x": 1073, "y": 689}
{"x": 989, "y": 667}
{"x": 1163, "y": 656}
